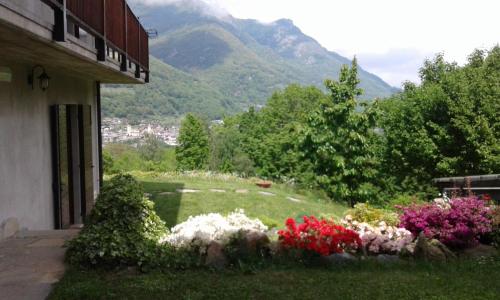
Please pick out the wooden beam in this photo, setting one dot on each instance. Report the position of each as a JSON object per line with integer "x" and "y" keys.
{"x": 60, "y": 22}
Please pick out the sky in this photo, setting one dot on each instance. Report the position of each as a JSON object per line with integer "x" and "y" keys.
{"x": 390, "y": 38}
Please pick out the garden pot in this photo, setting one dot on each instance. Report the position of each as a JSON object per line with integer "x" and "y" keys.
{"x": 264, "y": 184}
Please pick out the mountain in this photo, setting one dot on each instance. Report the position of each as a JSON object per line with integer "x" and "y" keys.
{"x": 211, "y": 63}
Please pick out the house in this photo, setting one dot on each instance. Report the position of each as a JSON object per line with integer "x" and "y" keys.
{"x": 54, "y": 56}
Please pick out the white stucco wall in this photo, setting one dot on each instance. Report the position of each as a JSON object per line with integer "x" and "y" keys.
{"x": 25, "y": 143}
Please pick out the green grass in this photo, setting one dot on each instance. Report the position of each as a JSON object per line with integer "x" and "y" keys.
{"x": 467, "y": 279}
{"x": 461, "y": 280}
{"x": 176, "y": 207}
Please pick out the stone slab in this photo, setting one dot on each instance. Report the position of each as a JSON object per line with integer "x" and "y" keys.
{"x": 187, "y": 191}
{"x": 267, "y": 194}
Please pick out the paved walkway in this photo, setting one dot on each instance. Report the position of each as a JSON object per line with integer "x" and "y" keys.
{"x": 31, "y": 263}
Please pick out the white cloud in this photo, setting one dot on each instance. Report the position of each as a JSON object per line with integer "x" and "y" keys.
{"x": 379, "y": 30}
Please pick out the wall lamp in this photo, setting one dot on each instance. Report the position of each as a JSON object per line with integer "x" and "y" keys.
{"x": 43, "y": 79}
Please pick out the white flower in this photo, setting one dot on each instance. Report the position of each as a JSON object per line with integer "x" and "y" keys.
{"x": 200, "y": 231}
{"x": 381, "y": 238}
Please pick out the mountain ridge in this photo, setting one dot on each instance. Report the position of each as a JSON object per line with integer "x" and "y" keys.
{"x": 223, "y": 64}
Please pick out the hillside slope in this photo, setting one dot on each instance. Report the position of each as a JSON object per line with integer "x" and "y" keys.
{"x": 222, "y": 65}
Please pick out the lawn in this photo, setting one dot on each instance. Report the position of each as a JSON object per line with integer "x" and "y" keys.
{"x": 175, "y": 207}
{"x": 463, "y": 280}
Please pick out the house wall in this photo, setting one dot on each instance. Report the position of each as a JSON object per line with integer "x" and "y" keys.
{"x": 25, "y": 143}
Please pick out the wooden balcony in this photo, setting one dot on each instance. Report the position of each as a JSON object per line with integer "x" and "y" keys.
{"x": 104, "y": 33}
{"x": 117, "y": 31}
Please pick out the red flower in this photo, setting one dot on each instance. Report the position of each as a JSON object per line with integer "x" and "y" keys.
{"x": 321, "y": 236}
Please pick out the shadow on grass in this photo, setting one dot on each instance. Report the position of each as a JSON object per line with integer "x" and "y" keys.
{"x": 166, "y": 198}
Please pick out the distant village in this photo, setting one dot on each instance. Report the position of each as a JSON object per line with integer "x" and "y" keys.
{"x": 115, "y": 130}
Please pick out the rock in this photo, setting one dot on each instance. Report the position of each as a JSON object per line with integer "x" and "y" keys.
{"x": 293, "y": 199}
{"x": 267, "y": 194}
{"x": 432, "y": 250}
{"x": 9, "y": 228}
{"x": 217, "y": 190}
{"x": 241, "y": 191}
{"x": 255, "y": 242}
{"x": 340, "y": 258}
{"x": 215, "y": 256}
{"x": 187, "y": 191}
{"x": 166, "y": 193}
{"x": 480, "y": 250}
{"x": 386, "y": 258}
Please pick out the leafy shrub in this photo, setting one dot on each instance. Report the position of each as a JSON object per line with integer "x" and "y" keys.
{"x": 402, "y": 200}
{"x": 320, "y": 236}
{"x": 458, "y": 226}
{"x": 365, "y": 213}
{"x": 122, "y": 229}
{"x": 495, "y": 220}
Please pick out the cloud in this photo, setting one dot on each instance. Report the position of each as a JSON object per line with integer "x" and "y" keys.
{"x": 395, "y": 65}
{"x": 209, "y": 7}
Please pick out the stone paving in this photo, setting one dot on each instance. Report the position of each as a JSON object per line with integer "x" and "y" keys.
{"x": 31, "y": 263}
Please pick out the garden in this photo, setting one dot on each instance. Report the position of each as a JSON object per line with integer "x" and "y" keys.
{"x": 437, "y": 249}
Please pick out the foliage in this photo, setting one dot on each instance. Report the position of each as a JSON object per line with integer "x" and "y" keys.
{"x": 122, "y": 229}
{"x": 193, "y": 150}
{"x": 151, "y": 149}
{"x": 495, "y": 224}
{"x": 365, "y": 213}
{"x": 337, "y": 141}
{"x": 402, "y": 200}
{"x": 458, "y": 226}
{"x": 447, "y": 126}
{"x": 320, "y": 236}
{"x": 108, "y": 163}
{"x": 265, "y": 142}
{"x": 125, "y": 158}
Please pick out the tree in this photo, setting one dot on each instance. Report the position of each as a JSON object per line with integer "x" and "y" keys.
{"x": 337, "y": 141}
{"x": 193, "y": 150}
{"x": 447, "y": 126}
{"x": 152, "y": 149}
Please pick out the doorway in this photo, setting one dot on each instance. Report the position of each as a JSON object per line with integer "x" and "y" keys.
{"x": 72, "y": 163}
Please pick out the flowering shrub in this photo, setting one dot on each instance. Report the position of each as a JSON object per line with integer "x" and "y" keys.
{"x": 321, "y": 236}
{"x": 458, "y": 226}
{"x": 380, "y": 238}
{"x": 198, "y": 232}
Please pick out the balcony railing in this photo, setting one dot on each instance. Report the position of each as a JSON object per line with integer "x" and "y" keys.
{"x": 114, "y": 26}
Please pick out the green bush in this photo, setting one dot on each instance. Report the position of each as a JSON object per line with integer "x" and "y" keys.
{"x": 402, "y": 200}
{"x": 364, "y": 212}
{"x": 122, "y": 229}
